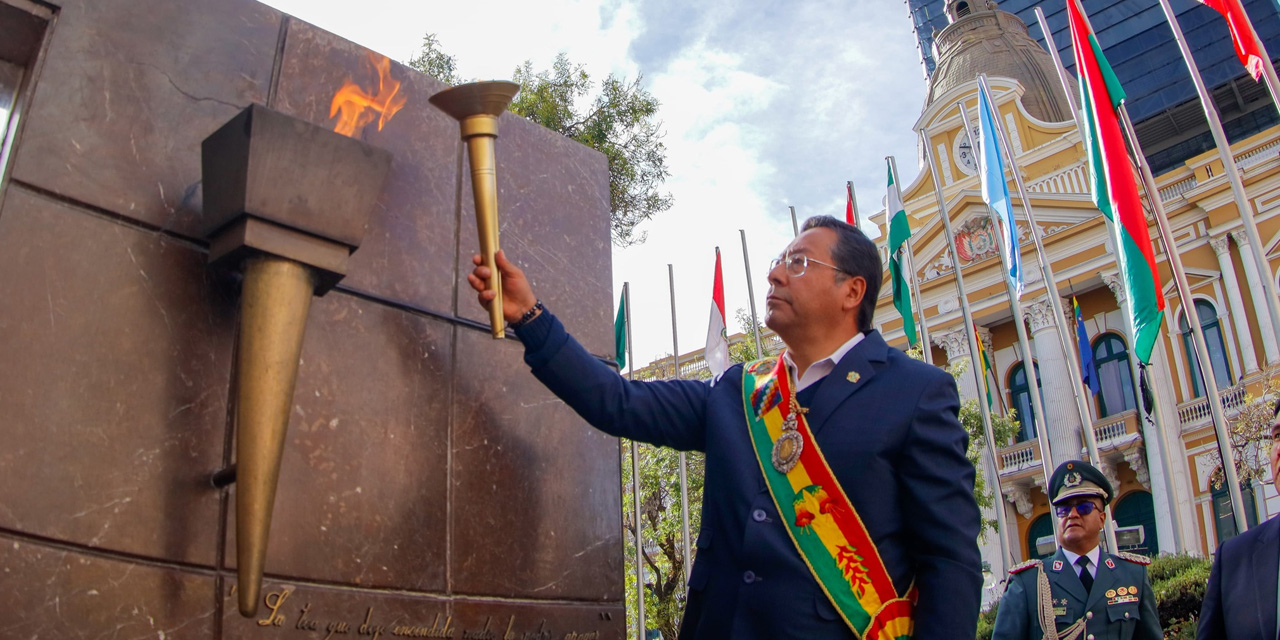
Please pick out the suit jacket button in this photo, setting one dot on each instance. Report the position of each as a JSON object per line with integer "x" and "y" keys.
{"x": 749, "y": 577}
{"x": 1090, "y": 637}
{"x": 1088, "y": 616}
{"x": 1126, "y": 614}
{"x": 759, "y": 515}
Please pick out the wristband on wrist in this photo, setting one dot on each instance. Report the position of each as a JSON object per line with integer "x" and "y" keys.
{"x": 528, "y": 315}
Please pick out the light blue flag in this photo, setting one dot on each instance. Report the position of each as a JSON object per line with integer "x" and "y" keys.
{"x": 995, "y": 191}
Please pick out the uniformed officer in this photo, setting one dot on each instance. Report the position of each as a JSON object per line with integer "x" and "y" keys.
{"x": 1080, "y": 592}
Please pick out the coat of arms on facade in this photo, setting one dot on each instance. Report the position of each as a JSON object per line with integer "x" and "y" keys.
{"x": 976, "y": 239}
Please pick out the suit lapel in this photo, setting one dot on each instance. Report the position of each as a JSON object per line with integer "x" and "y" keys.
{"x": 1064, "y": 575}
{"x": 851, "y": 374}
{"x": 1261, "y": 576}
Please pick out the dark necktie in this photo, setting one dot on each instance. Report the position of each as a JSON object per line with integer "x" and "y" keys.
{"x": 1086, "y": 578}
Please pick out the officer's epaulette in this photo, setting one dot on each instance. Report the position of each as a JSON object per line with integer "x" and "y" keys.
{"x": 1024, "y": 566}
{"x": 1134, "y": 558}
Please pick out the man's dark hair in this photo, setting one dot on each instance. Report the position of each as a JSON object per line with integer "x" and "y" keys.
{"x": 856, "y": 255}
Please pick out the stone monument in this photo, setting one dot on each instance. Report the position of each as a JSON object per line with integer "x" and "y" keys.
{"x": 428, "y": 487}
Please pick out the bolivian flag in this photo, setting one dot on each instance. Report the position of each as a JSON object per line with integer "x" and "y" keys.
{"x": 1113, "y": 184}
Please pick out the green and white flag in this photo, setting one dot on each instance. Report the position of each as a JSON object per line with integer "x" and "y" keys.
{"x": 899, "y": 232}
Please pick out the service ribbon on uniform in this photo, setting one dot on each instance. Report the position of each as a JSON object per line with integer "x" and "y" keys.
{"x": 818, "y": 516}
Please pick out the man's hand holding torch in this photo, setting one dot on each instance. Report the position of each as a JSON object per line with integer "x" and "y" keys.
{"x": 517, "y": 296}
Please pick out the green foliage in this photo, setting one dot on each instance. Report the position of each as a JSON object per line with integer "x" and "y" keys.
{"x": 987, "y": 621}
{"x": 1003, "y": 429}
{"x": 1168, "y": 566}
{"x": 1250, "y": 435}
{"x": 618, "y": 118}
{"x": 1179, "y": 582}
{"x": 434, "y": 62}
{"x": 661, "y": 531}
{"x": 745, "y": 350}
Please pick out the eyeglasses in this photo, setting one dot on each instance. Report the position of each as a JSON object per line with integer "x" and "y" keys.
{"x": 798, "y": 263}
{"x": 1083, "y": 508}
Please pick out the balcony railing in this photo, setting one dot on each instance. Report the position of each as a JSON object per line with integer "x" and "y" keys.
{"x": 1020, "y": 456}
{"x": 1178, "y": 188}
{"x": 1115, "y": 427}
{"x": 1109, "y": 431}
{"x": 1197, "y": 411}
{"x": 1260, "y": 154}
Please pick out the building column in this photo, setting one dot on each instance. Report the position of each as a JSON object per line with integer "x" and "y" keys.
{"x": 1222, "y": 247}
{"x": 1162, "y": 367}
{"x": 956, "y": 343}
{"x": 1153, "y": 433}
{"x": 1062, "y": 423}
{"x": 1258, "y": 288}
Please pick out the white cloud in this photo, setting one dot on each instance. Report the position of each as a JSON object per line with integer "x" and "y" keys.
{"x": 488, "y": 44}
{"x": 764, "y": 105}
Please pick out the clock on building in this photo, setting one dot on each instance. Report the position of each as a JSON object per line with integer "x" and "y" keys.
{"x": 964, "y": 153}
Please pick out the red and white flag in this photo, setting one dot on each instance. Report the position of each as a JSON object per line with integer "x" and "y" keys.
{"x": 1242, "y": 35}
{"x": 717, "y": 351}
{"x": 850, "y": 209}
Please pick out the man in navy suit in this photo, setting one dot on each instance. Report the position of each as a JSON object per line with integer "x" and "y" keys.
{"x": 886, "y": 424}
{"x": 1240, "y": 602}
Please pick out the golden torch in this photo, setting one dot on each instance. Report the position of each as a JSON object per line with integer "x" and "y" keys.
{"x": 476, "y": 106}
{"x": 287, "y": 202}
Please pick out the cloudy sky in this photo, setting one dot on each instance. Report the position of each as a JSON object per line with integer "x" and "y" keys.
{"x": 765, "y": 104}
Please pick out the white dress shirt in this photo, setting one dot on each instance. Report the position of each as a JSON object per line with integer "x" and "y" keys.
{"x": 1092, "y": 567}
{"x": 819, "y": 370}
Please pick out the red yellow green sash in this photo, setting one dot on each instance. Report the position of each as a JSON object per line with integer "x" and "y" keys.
{"x": 819, "y": 517}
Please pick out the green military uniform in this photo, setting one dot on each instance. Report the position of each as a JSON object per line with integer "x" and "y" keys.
{"x": 1119, "y": 606}
{"x": 1107, "y": 614}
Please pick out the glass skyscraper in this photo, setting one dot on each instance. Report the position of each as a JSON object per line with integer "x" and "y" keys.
{"x": 1140, "y": 46}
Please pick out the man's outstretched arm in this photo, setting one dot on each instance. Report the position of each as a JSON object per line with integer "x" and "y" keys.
{"x": 666, "y": 413}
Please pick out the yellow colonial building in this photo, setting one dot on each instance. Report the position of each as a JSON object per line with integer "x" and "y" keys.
{"x": 1160, "y": 462}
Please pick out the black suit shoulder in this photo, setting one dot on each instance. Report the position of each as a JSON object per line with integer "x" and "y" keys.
{"x": 1245, "y": 541}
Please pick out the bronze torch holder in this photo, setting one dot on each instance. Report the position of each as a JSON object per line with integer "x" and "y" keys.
{"x": 288, "y": 202}
{"x": 476, "y": 106}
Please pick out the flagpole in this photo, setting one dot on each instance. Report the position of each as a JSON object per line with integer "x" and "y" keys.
{"x": 684, "y": 477}
{"x": 1028, "y": 365}
{"x": 1131, "y": 333}
{"x": 1208, "y": 377}
{"x": 853, "y": 200}
{"x": 1062, "y": 71}
{"x": 1233, "y": 172}
{"x": 751, "y": 295}
{"x": 635, "y": 478}
{"x": 979, "y": 372}
{"x": 995, "y": 384}
{"x": 914, "y": 286}
{"x": 795, "y": 226}
{"x": 1055, "y": 303}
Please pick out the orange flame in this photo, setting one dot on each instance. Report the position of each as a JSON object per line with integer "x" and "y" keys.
{"x": 354, "y": 108}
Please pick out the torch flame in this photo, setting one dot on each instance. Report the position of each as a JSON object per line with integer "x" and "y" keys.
{"x": 354, "y": 108}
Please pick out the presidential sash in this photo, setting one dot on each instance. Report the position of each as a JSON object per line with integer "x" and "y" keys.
{"x": 818, "y": 516}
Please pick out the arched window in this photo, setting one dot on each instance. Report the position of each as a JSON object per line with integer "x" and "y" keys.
{"x": 962, "y": 9}
{"x": 1213, "y": 339}
{"x": 1020, "y": 392}
{"x": 1041, "y": 527}
{"x": 1224, "y": 518}
{"x": 1137, "y": 510}
{"x": 1112, "y": 360}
